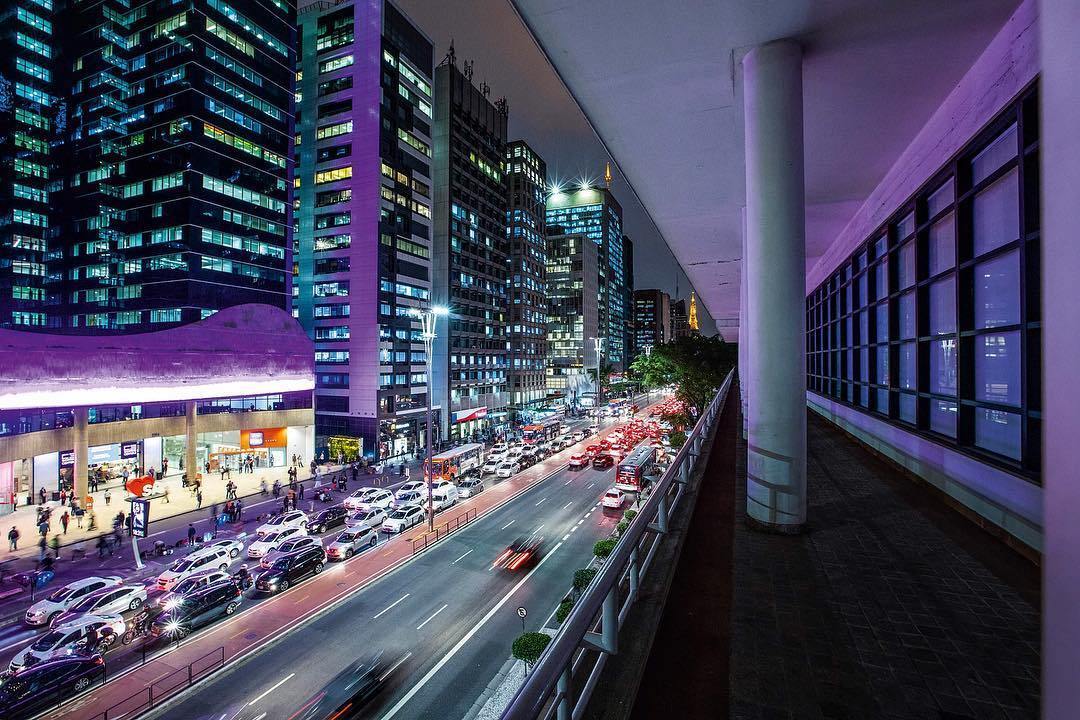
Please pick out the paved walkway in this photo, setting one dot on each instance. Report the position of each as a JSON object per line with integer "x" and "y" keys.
{"x": 892, "y": 605}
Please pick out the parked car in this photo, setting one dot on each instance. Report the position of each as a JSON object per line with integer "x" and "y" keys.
{"x": 379, "y": 499}
{"x": 290, "y": 569}
{"x": 267, "y": 543}
{"x": 197, "y": 609}
{"x": 372, "y": 518}
{"x": 613, "y": 498}
{"x": 331, "y": 517}
{"x": 470, "y": 487}
{"x": 508, "y": 468}
{"x": 403, "y": 518}
{"x": 107, "y": 629}
{"x": 189, "y": 585}
{"x": 28, "y": 692}
{"x": 411, "y": 486}
{"x": 577, "y": 462}
{"x": 109, "y": 601}
{"x": 43, "y": 611}
{"x": 196, "y": 561}
{"x": 288, "y": 548}
{"x": 352, "y": 541}
{"x": 603, "y": 462}
{"x": 291, "y": 519}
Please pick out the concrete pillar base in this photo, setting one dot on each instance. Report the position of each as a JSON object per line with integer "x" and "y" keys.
{"x": 775, "y": 528}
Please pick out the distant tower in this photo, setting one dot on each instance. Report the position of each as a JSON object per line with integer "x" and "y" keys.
{"x": 607, "y": 175}
{"x": 693, "y": 321}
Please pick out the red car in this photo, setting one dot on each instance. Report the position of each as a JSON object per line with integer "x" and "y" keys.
{"x": 593, "y": 450}
{"x": 603, "y": 462}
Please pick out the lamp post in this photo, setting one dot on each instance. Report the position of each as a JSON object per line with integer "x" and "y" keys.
{"x": 598, "y": 346}
{"x": 428, "y": 320}
{"x": 648, "y": 388}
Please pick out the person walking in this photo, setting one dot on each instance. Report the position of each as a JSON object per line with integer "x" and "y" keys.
{"x": 41, "y": 494}
{"x": 101, "y": 547}
{"x": 43, "y": 548}
{"x": 55, "y": 545}
{"x": 64, "y": 520}
{"x": 239, "y": 511}
{"x": 166, "y": 495}
{"x": 300, "y": 491}
{"x": 13, "y": 539}
{"x": 198, "y": 499}
{"x": 191, "y": 534}
{"x": 108, "y": 496}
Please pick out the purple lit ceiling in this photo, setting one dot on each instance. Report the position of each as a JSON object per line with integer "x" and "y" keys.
{"x": 242, "y": 350}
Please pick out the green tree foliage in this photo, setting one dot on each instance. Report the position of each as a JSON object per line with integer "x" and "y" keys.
{"x": 582, "y": 578}
{"x": 529, "y": 646}
{"x": 603, "y": 548}
{"x": 563, "y": 611}
{"x": 696, "y": 364}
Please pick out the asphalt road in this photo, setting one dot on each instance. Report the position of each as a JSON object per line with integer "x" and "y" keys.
{"x": 447, "y": 617}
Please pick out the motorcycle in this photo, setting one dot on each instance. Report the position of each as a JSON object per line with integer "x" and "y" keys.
{"x": 323, "y": 494}
{"x": 243, "y": 579}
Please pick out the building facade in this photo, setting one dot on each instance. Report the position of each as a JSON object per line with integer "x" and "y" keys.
{"x": 526, "y": 232}
{"x": 630, "y": 348}
{"x": 470, "y": 254}
{"x": 364, "y": 223}
{"x": 680, "y": 319}
{"x": 573, "y": 316}
{"x": 595, "y": 213}
{"x": 652, "y": 318}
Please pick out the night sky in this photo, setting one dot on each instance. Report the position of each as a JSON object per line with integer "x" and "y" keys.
{"x": 544, "y": 115}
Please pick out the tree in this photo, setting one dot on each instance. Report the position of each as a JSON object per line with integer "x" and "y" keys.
{"x": 528, "y": 647}
{"x": 603, "y": 548}
{"x": 696, "y": 364}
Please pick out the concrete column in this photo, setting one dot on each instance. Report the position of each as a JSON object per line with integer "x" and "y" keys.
{"x": 191, "y": 436}
{"x": 1059, "y": 155}
{"x": 744, "y": 342}
{"x": 775, "y": 263}
{"x": 82, "y": 451}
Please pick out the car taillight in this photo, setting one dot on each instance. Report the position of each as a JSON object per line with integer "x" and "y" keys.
{"x": 98, "y": 660}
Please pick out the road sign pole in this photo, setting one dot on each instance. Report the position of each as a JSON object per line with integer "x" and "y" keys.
{"x": 135, "y": 549}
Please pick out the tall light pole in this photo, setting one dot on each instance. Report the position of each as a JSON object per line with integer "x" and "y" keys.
{"x": 598, "y": 346}
{"x": 648, "y": 389}
{"x": 428, "y": 320}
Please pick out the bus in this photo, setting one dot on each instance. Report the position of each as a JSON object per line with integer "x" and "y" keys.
{"x": 541, "y": 432}
{"x": 455, "y": 462}
{"x": 637, "y": 469}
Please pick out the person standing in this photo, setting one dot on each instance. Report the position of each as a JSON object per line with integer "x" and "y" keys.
{"x": 108, "y": 497}
{"x": 300, "y": 491}
{"x": 13, "y": 539}
{"x": 198, "y": 499}
{"x": 190, "y": 534}
{"x": 239, "y": 511}
{"x": 43, "y": 547}
{"x": 55, "y": 545}
{"x": 64, "y": 520}
{"x": 41, "y": 494}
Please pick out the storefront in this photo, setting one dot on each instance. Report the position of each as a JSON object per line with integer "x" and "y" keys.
{"x": 400, "y": 436}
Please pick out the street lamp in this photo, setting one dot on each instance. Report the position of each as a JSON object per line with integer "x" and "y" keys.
{"x": 428, "y": 320}
{"x": 598, "y": 346}
{"x": 648, "y": 388}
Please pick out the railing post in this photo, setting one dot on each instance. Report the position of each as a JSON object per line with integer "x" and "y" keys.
{"x": 684, "y": 470}
{"x": 634, "y": 573}
{"x": 566, "y": 707}
{"x": 610, "y": 614}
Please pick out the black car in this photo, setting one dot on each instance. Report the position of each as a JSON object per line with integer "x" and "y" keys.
{"x": 347, "y": 694}
{"x": 524, "y": 552}
{"x": 290, "y": 569}
{"x": 331, "y": 517}
{"x": 29, "y": 691}
{"x": 197, "y": 609}
{"x": 603, "y": 462}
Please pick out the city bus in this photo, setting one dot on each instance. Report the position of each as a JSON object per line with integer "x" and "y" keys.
{"x": 636, "y": 469}
{"x": 455, "y": 462}
{"x": 541, "y": 432}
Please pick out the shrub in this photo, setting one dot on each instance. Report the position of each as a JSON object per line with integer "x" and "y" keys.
{"x": 529, "y": 646}
{"x": 629, "y": 515}
{"x": 564, "y": 610}
{"x": 621, "y": 527}
{"x": 603, "y": 548}
{"x": 582, "y": 578}
{"x": 677, "y": 439}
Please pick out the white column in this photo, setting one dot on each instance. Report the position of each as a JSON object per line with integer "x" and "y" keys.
{"x": 82, "y": 452}
{"x": 191, "y": 438}
{"x": 744, "y": 341}
{"x": 775, "y": 270}
{"x": 1059, "y": 156}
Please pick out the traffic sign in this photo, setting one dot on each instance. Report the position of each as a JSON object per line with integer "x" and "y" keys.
{"x": 522, "y": 612}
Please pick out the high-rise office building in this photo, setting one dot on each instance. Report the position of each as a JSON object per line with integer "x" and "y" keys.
{"x": 595, "y": 213}
{"x": 525, "y": 230}
{"x": 179, "y": 130}
{"x": 573, "y": 314}
{"x": 630, "y": 348}
{"x": 652, "y": 318}
{"x": 469, "y": 253}
{"x": 364, "y": 222}
{"x": 680, "y": 320}
{"x": 28, "y": 118}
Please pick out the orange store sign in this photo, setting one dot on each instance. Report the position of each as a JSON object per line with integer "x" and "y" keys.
{"x": 263, "y": 438}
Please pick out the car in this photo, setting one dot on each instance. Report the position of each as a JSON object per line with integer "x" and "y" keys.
{"x": 592, "y": 429}
{"x": 532, "y": 454}
{"x": 350, "y": 690}
{"x": 197, "y": 609}
{"x": 577, "y": 462}
{"x": 523, "y": 552}
{"x": 444, "y": 497}
{"x": 196, "y": 561}
{"x": 189, "y": 585}
{"x": 358, "y": 496}
{"x": 603, "y": 462}
{"x": 411, "y": 486}
{"x": 32, "y": 690}
{"x": 269, "y": 542}
{"x": 290, "y": 569}
{"x": 613, "y": 498}
{"x": 372, "y": 518}
{"x": 235, "y": 546}
{"x": 498, "y": 449}
{"x": 415, "y": 497}
{"x": 43, "y": 611}
{"x": 291, "y": 519}
{"x": 379, "y": 498}
{"x": 508, "y": 468}
{"x": 592, "y": 451}
{"x": 323, "y": 520}
{"x": 352, "y": 541}
{"x": 491, "y": 465}
{"x": 470, "y": 487}
{"x": 109, "y": 601}
{"x": 513, "y": 452}
{"x": 403, "y": 518}
{"x": 437, "y": 485}
{"x": 578, "y": 436}
{"x": 288, "y": 548}
{"x": 108, "y": 629}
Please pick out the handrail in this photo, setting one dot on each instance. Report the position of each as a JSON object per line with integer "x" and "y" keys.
{"x": 550, "y": 677}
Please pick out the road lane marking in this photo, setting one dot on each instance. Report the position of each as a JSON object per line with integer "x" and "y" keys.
{"x": 541, "y": 500}
{"x": 538, "y": 529}
{"x": 589, "y": 486}
{"x": 391, "y": 607}
{"x": 564, "y": 537}
{"x": 580, "y": 521}
{"x": 394, "y": 667}
{"x": 507, "y": 525}
{"x": 567, "y": 504}
{"x": 279, "y": 683}
{"x": 573, "y": 528}
{"x": 468, "y": 636}
{"x": 461, "y": 556}
{"x": 431, "y": 618}
{"x": 568, "y": 481}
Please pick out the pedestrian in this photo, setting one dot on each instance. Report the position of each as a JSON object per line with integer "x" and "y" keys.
{"x": 55, "y": 545}
{"x": 214, "y": 513}
{"x": 239, "y": 510}
{"x": 301, "y": 491}
{"x": 79, "y": 512}
{"x": 191, "y": 534}
{"x": 262, "y": 487}
{"x": 277, "y": 488}
{"x": 13, "y": 539}
{"x": 198, "y": 499}
{"x": 43, "y": 546}
{"x": 63, "y": 497}
{"x": 64, "y": 520}
{"x": 43, "y": 528}
{"x": 108, "y": 496}
{"x": 41, "y": 494}
{"x": 129, "y": 522}
{"x": 166, "y": 496}
{"x": 101, "y": 546}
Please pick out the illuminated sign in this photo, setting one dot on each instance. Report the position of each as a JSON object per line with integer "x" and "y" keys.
{"x": 474, "y": 414}
{"x": 255, "y": 438}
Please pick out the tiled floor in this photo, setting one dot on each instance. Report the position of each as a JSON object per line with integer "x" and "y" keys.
{"x": 890, "y": 606}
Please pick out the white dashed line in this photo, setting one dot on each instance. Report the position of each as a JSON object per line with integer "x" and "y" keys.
{"x": 391, "y": 607}
{"x": 538, "y": 529}
{"x": 507, "y": 525}
{"x": 564, "y": 537}
{"x": 541, "y": 501}
{"x": 462, "y": 556}
{"x": 580, "y": 521}
{"x": 280, "y": 682}
{"x": 568, "y": 481}
{"x": 567, "y": 504}
{"x": 430, "y": 618}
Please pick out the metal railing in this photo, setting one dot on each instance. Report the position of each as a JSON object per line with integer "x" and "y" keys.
{"x": 548, "y": 689}
{"x": 163, "y": 687}
{"x": 441, "y": 531}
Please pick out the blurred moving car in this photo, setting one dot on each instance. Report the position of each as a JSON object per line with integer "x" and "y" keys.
{"x": 269, "y": 542}
{"x": 28, "y": 692}
{"x": 522, "y": 553}
{"x": 346, "y": 696}
{"x": 603, "y": 462}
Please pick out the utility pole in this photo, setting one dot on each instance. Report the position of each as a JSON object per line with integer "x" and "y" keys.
{"x": 427, "y": 330}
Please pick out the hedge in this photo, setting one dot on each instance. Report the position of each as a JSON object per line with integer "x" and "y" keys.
{"x": 530, "y": 646}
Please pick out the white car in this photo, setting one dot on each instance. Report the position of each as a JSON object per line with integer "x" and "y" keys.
{"x": 352, "y": 541}
{"x": 546, "y": 448}
{"x": 289, "y": 546}
{"x": 366, "y": 518}
{"x": 498, "y": 449}
{"x": 444, "y": 497}
{"x": 578, "y": 461}
{"x": 414, "y": 497}
{"x": 358, "y": 496}
{"x": 578, "y": 436}
{"x": 235, "y": 546}
{"x": 110, "y": 601}
{"x": 197, "y": 561}
{"x": 378, "y": 499}
{"x": 43, "y": 611}
{"x": 613, "y": 498}
{"x": 109, "y": 629}
{"x": 514, "y": 452}
{"x": 592, "y": 429}
{"x": 508, "y": 468}
{"x": 270, "y": 542}
{"x": 470, "y": 487}
{"x": 403, "y": 518}
{"x": 491, "y": 465}
{"x": 291, "y": 519}
{"x": 409, "y": 487}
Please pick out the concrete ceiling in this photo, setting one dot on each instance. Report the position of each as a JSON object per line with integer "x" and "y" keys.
{"x": 660, "y": 83}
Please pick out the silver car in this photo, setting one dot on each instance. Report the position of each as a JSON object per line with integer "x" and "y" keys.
{"x": 366, "y": 518}
{"x": 352, "y": 541}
